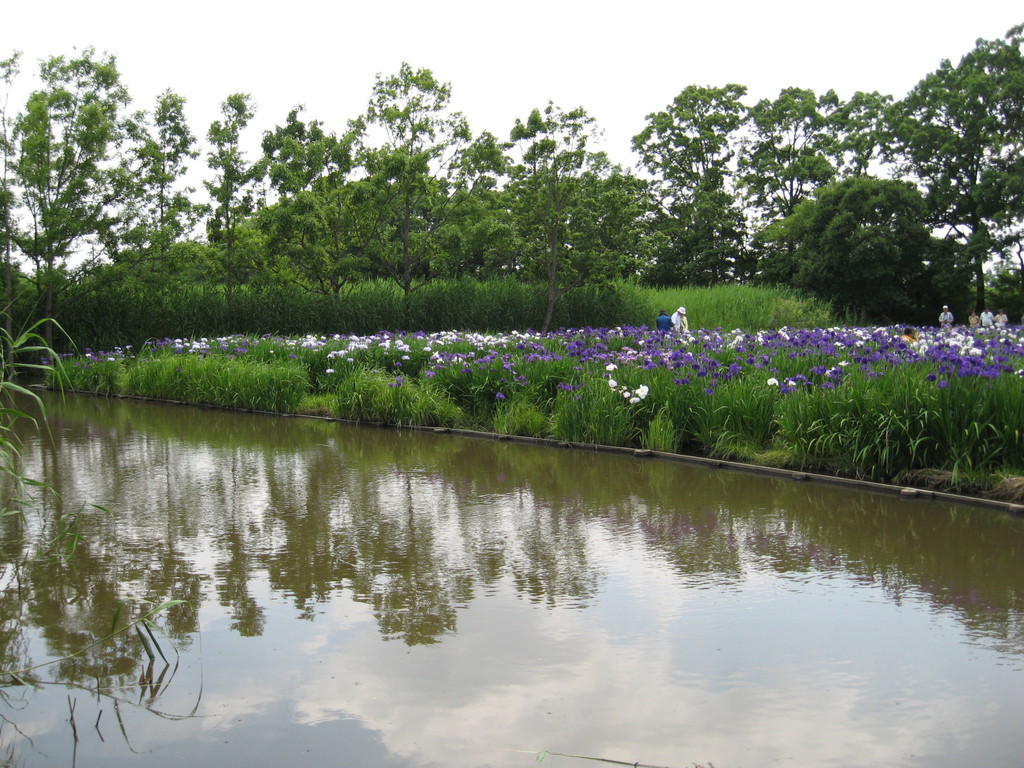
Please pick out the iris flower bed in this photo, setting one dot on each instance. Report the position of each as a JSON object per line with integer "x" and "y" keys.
{"x": 855, "y": 401}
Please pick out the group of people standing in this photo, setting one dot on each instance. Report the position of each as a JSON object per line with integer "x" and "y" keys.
{"x": 985, "y": 320}
{"x": 677, "y": 321}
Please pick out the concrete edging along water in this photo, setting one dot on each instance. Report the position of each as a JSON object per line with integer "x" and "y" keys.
{"x": 785, "y": 474}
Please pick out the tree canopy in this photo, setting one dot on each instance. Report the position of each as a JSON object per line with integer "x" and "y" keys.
{"x": 805, "y": 190}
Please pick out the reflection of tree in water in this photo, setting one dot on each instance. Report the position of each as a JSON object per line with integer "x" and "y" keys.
{"x": 411, "y": 541}
{"x": 74, "y": 601}
{"x": 71, "y": 600}
{"x": 415, "y": 524}
{"x": 233, "y": 574}
{"x": 966, "y": 560}
{"x": 395, "y": 559}
{"x": 548, "y": 554}
{"x": 406, "y": 543}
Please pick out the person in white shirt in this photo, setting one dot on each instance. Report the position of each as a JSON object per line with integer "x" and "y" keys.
{"x": 679, "y": 321}
{"x": 946, "y": 317}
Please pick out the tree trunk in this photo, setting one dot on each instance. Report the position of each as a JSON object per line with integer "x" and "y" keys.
{"x": 8, "y": 313}
{"x": 553, "y": 293}
{"x": 48, "y": 314}
{"x": 977, "y": 249}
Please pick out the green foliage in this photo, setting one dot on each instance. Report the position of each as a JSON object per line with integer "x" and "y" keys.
{"x": 373, "y": 396}
{"x": 432, "y": 407}
{"x": 219, "y": 380}
{"x": 64, "y": 139}
{"x": 595, "y": 413}
{"x": 747, "y": 307}
{"x": 738, "y": 420}
{"x": 105, "y": 377}
{"x": 577, "y": 218}
{"x": 116, "y": 314}
{"x": 358, "y": 395}
{"x": 661, "y": 433}
{"x": 522, "y": 417}
{"x": 861, "y": 243}
{"x": 862, "y": 132}
{"x": 790, "y": 151}
{"x": 885, "y": 426}
{"x": 156, "y": 211}
{"x": 418, "y": 180}
{"x": 688, "y": 148}
{"x": 316, "y": 229}
{"x": 406, "y": 194}
{"x": 232, "y": 188}
{"x": 1007, "y": 288}
{"x": 958, "y": 132}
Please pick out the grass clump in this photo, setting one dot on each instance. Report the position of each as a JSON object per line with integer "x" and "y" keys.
{"x": 522, "y": 417}
{"x": 374, "y": 396}
{"x": 222, "y": 381}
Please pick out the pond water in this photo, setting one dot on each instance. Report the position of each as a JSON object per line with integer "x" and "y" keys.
{"x": 359, "y": 596}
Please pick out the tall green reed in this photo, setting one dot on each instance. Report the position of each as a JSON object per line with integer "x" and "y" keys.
{"x": 219, "y": 380}
{"x": 115, "y": 314}
{"x": 661, "y": 433}
{"x": 741, "y": 306}
{"x": 737, "y": 419}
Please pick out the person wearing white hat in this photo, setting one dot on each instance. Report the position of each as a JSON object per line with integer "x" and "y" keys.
{"x": 946, "y": 317}
{"x": 679, "y": 321}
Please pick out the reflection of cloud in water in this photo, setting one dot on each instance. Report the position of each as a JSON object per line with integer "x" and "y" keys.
{"x": 575, "y": 602}
{"x": 522, "y": 677}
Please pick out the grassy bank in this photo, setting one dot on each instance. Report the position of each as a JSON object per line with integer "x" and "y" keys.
{"x": 850, "y": 401}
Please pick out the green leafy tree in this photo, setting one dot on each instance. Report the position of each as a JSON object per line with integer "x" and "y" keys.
{"x": 316, "y": 234}
{"x": 422, "y": 176}
{"x": 862, "y": 133}
{"x": 66, "y": 137}
{"x": 789, "y": 152}
{"x": 233, "y": 186}
{"x": 481, "y": 241}
{"x": 1007, "y": 289}
{"x": 689, "y": 148}
{"x": 959, "y": 133}
{"x": 862, "y": 243}
{"x": 578, "y": 218}
{"x": 157, "y": 210}
{"x": 9, "y": 69}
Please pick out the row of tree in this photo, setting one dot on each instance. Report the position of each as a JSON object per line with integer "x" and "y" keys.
{"x": 881, "y": 206}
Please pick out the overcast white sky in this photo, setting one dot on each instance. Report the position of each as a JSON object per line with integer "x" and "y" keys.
{"x": 620, "y": 61}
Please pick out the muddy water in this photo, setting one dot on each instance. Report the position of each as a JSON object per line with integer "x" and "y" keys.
{"x": 359, "y": 596}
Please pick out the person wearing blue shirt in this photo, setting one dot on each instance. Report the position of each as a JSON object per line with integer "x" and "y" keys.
{"x": 664, "y": 321}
